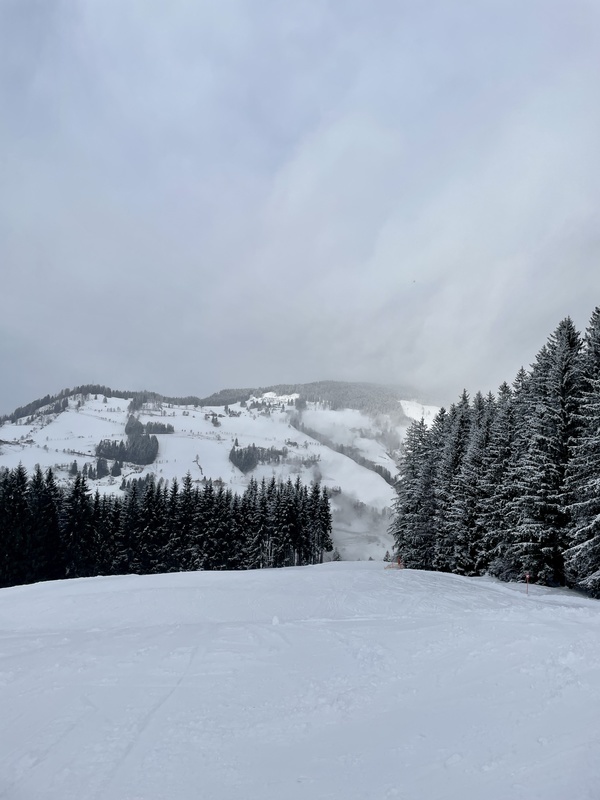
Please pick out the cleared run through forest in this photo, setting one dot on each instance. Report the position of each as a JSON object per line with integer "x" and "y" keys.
{"x": 343, "y": 680}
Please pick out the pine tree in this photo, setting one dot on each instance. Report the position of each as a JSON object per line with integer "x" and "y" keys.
{"x": 216, "y": 553}
{"x": 184, "y": 527}
{"x": 447, "y": 483}
{"x": 34, "y": 550}
{"x": 149, "y": 527}
{"x": 205, "y": 544}
{"x": 300, "y": 524}
{"x": 77, "y": 531}
{"x": 258, "y": 531}
{"x": 539, "y": 508}
{"x": 412, "y": 539}
{"x": 285, "y": 521}
{"x": 15, "y": 527}
{"x": 582, "y": 556}
{"x": 496, "y": 490}
{"x": 171, "y": 546}
{"x": 43, "y": 549}
{"x": 105, "y": 524}
{"x": 127, "y": 536}
{"x": 317, "y": 535}
{"x": 53, "y": 543}
{"x": 325, "y": 524}
{"x": 236, "y": 550}
{"x": 466, "y": 510}
{"x": 583, "y": 553}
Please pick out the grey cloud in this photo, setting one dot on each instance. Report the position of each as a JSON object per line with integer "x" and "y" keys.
{"x": 200, "y": 195}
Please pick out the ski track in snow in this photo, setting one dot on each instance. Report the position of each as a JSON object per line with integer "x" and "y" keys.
{"x": 342, "y": 681}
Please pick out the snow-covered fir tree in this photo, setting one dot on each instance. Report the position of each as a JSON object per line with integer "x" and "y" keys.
{"x": 510, "y": 485}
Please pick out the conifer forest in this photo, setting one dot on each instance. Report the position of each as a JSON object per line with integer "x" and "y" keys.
{"x": 509, "y": 485}
{"x": 50, "y": 533}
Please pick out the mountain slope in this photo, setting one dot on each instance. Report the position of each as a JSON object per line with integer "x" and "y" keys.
{"x": 342, "y": 681}
{"x": 351, "y": 451}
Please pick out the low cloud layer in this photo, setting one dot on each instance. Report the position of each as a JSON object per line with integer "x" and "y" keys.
{"x": 195, "y": 196}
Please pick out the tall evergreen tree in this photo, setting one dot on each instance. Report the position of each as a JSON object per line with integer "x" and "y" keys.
{"x": 582, "y": 556}
{"x": 128, "y": 535}
{"x": 410, "y": 528}
{"x": 325, "y": 524}
{"x": 496, "y": 488}
{"x": 78, "y": 531}
{"x": 53, "y": 542}
{"x": 105, "y": 524}
{"x": 448, "y": 485}
{"x": 538, "y": 509}
{"x": 15, "y": 527}
{"x": 258, "y": 531}
{"x": 43, "y": 551}
{"x": 466, "y": 510}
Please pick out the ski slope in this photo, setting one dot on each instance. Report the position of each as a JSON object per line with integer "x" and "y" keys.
{"x": 417, "y": 411}
{"x": 344, "y": 681}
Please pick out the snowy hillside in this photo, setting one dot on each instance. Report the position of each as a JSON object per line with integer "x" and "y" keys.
{"x": 204, "y": 436}
{"x": 341, "y": 681}
{"x": 417, "y": 411}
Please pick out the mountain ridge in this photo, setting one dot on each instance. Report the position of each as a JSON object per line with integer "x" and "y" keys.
{"x": 356, "y": 394}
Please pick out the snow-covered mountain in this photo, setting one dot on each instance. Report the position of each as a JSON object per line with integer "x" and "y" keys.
{"x": 351, "y": 451}
{"x": 341, "y": 681}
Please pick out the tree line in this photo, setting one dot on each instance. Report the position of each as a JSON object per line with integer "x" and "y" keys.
{"x": 509, "y": 485}
{"x": 141, "y": 447}
{"x": 248, "y": 458}
{"x": 134, "y": 427}
{"x": 371, "y": 398}
{"x": 58, "y": 402}
{"x": 48, "y": 533}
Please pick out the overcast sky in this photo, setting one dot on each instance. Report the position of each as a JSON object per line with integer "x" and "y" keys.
{"x": 200, "y": 195}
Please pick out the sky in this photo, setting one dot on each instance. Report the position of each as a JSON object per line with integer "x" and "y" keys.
{"x": 201, "y": 195}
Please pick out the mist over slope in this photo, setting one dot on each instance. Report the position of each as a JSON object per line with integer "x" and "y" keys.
{"x": 345, "y": 439}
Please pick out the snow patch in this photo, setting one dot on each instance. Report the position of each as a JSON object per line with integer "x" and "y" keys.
{"x": 417, "y": 411}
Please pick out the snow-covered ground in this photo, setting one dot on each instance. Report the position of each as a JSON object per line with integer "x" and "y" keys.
{"x": 353, "y": 428}
{"x": 202, "y": 448}
{"x": 337, "y": 682}
{"x": 417, "y": 411}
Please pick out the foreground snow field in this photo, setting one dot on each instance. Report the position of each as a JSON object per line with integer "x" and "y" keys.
{"x": 339, "y": 681}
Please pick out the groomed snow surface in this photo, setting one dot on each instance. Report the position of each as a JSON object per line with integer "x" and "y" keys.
{"x": 340, "y": 681}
